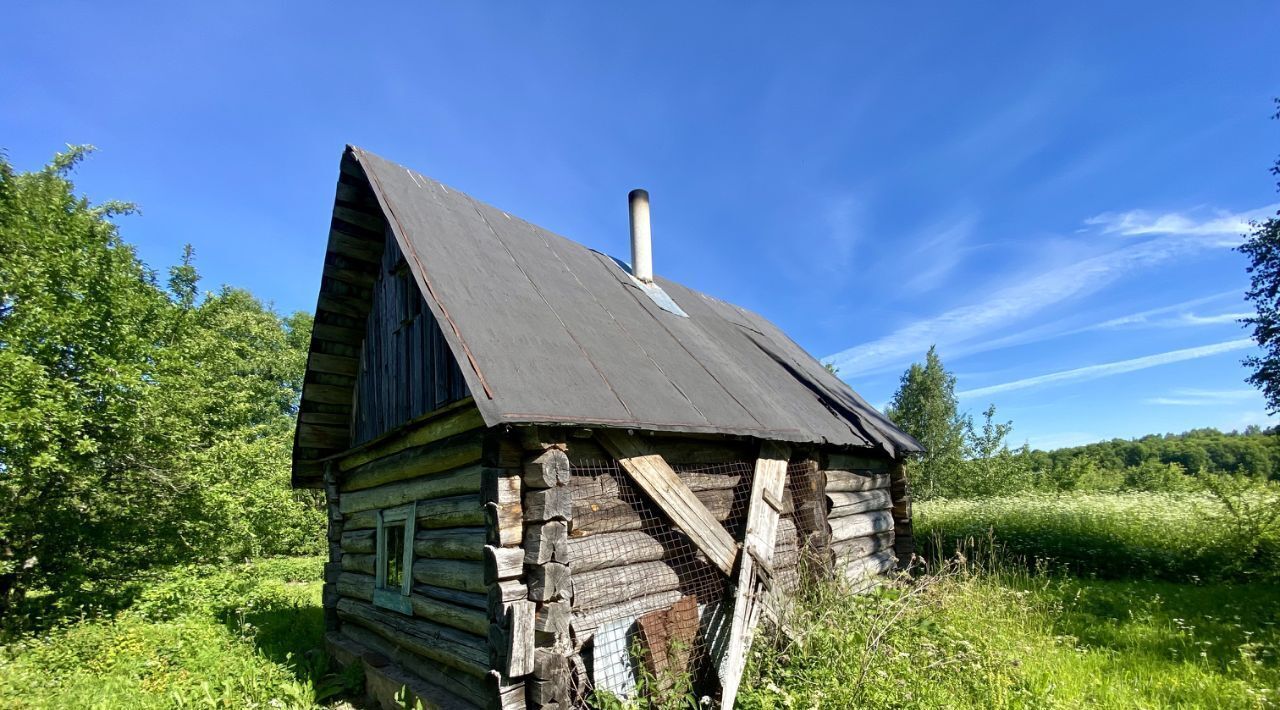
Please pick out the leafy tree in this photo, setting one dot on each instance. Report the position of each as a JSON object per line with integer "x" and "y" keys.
{"x": 925, "y": 407}
{"x": 138, "y": 425}
{"x": 1262, "y": 247}
{"x": 991, "y": 467}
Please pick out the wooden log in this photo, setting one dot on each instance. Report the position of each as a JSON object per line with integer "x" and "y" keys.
{"x": 520, "y": 632}
{"x": 364, "y": 520}
{"x": 614, "y": 585}
{"x": 859, "y": 570}
{"x": 851, "y": 481}
{"x": 550, "y": 582}
{"x": 503, "y": 507}
{"x": 844, "y": 504}
{"x": 459, "y": 481}
{"x": 547, "y": 470}
{"x": 592, "y": 516}
{"x": 507, "y": 694}
{"x": 359, "y": 542}
{"x": 701, "y": 451}
{"x": 856, "y": 462}
{"x": 549, "y": 665}
{"x": 363, "y": 564}
{"x": 585, "y": 622}
{"x": 449, "y": 646}
{"x": 453, "y": 512}
{"x": 501, "y": 596}
{"x": 546, "y": 542}
{"x": 613, "y": 550}
{"x": 450, "y": 543}
{"x": 652, "y": 474}
{"x": 356, "y": 586}
{"x": 853, "y": 526}
{"x": 413, "y": 462}
{"x": 471, "y": 600}
{"x": 859, "y": 547}
{"x": 502, "y": 563}
{"x": 547, "y": 691}
{"x": 453, "y": 419}
{"x": 462, "y": 575}
{"x": 464, "y": 618}
{"x": 466, "y": 687}
{"x": 551, "y": 626}
{"x": 548, "y": 504}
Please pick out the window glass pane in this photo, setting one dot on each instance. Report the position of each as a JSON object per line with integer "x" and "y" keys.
{"x": 393, "y": 555}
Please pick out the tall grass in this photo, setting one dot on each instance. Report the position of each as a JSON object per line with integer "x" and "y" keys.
{"x": 984, "y": 636}
{"x": 1173, "y": 536}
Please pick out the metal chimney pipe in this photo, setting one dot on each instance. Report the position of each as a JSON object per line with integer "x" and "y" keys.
{"x": 641, "y": 239}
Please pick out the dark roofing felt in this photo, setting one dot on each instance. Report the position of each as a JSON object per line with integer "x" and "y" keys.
{"x": 549, "y": 331}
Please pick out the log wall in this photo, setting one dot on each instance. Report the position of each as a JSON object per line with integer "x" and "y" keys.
{"x": 439, "y": 463}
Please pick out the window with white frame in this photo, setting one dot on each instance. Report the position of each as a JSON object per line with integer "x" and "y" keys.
{"x": 393, "y": 579}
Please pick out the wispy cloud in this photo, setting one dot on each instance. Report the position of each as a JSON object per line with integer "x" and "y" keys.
{"x": 1187, "y": 397}
{"x": 939, "y": 252}
{"x": 970, "y": 326}
{"x": 1136, "y": 223}
{"x": 1107, "y": 369}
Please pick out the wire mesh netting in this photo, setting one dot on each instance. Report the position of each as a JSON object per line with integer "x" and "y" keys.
{"x": 651, "y": 613}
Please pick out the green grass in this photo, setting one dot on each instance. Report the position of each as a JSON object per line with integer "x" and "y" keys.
{"x": 240, "y": 636}
{"x": 1176, "y": 536}
{"x": 1014, "y": 640}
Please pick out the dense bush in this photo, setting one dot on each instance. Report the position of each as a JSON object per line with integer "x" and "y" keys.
{"x": 141, "y": 424}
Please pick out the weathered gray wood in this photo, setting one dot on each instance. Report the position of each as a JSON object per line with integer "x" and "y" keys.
{"x": 652, "y": 474}
{"x": 501, "y": 563}
{"x": 546, "y": 542}
{"x": 355, "y": 585}
{"x": 545, "y": 691}
{"x": 859, "y": 570}
{"x": 363, "y": 564}
{"x": 460, "y": 481}
{"x": 551, "y": 625}
{"x": 501, "y": 595}
{"x": 359, "y": 542}
{"x": 609, "y": 586}
{"x": 549, "y": 582}
{"x": 548, "y": 664}
{"x": 471, "y": 600}
{"x": 586, "y": 621}
{"x": 464, "y": 618}
{"x": 454, "y": 648}
{"x": 507, "y": 693}
{"x": 450, "y": 543}
{"x": 859, "y": 547}
{"x": 853, "y": 526}
{"x": 548, "y": 504}
{"x": 767, "y": 484}
{"x": 605, "y": 550}
{"x": 466, "y": 687}
{"x": 453, "y": 512}
{"x": 463, "y": 575}
{"x": 857, "y": 462}
{"x": 520, "y": 633}
{"x": 850, "y": 481}
{"x": 456, "y": 418}
{"x": 547, "y": 470}
{"x": 842, "y": 504}
{"x": 417, "y": 461}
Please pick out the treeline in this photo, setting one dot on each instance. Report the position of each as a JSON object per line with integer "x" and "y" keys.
{"x": 142, "y": 423}
{"x": 1254, "y": 452}
{"x": 972, "y": 459}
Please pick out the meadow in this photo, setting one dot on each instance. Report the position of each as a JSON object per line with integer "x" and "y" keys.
{"x": 1109, "y": 600}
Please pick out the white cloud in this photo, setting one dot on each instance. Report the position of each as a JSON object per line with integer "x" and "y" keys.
{"x": 1107, "y": 369}
{"x": 1135, "y": 223}
{"x": 966, "y": 329}
{"x": 939, "y": 253}
{"x": 1188, "y": 397}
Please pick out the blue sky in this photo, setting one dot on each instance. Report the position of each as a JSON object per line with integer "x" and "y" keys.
{"x": 1048, "y": 193}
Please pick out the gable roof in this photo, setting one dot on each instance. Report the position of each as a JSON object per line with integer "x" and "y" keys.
{"x": 548, "y": 331}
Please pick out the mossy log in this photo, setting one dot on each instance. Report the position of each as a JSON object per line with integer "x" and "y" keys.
{"x": 433, "y": 458}
{"x": 450, "y": 543}
{"x": 359, "y": 542}
{"x": 452, "y": 512}
{"x": 462, "y": 575}
{"x": 456, "y": 482}
{"x": 363, "y": 564}
{"x": 454, "y": 648}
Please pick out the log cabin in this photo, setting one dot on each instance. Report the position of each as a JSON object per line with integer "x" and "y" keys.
{"x": 552, "y": 475}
